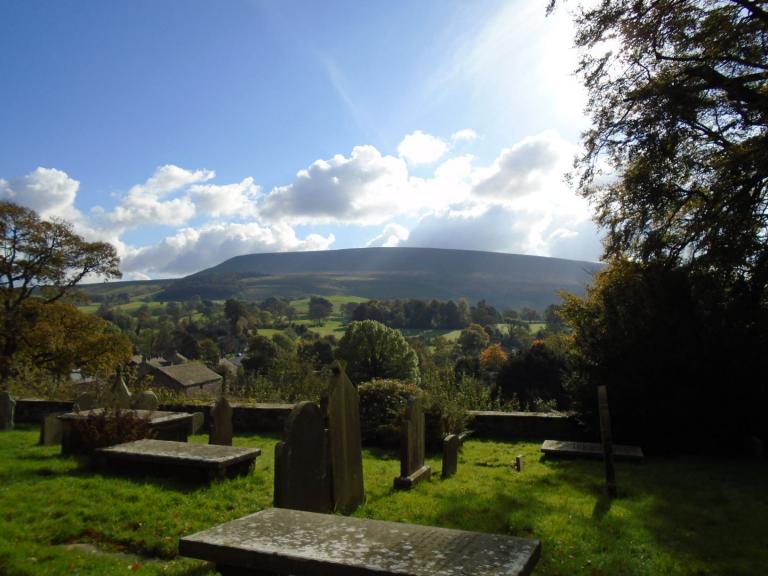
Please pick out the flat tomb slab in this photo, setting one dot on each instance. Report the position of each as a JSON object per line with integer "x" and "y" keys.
{"x": 557, "y": 448}
{"x": 281, "y": 541}
{"x": 213, "y": 459}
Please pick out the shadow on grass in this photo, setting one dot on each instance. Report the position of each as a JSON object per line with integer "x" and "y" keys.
{"x": 690, "y": 506}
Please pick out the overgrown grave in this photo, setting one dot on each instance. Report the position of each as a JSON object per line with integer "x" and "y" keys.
{"x": 302, "y": 468}
{"x": 7, "y": 409}
{"x": 412, "y": 468}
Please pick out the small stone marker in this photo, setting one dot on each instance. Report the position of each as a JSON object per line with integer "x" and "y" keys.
{"x": 197, "y": 423}
{"x": 302, "y": 481}
{"x": 345, "y": 447}
{"x": 7, "y": 410}
{"x": 412, "y": 468}
{"x": 146, "y": 400}
{"x": 450, "y": 455}
{"x": 87, "y": 401}
{"x": 518, "y": 464}
{"x": 607, "y": 440}
{"x": 51, "y": 430}
{"x": 221, "y": 423}
{"x": 278, "y": 541}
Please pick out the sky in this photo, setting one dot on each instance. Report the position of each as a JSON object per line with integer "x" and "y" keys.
{"x": 186, "y": 132}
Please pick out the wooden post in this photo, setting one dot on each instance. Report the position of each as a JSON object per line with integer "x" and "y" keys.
{"x": 605, "y": 435}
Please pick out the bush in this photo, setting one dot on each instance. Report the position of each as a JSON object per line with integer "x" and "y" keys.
{"x": 111, "y": 426}
{"x": 382, "y": 405}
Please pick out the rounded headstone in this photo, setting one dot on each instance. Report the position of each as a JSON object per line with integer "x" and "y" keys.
{"x": 146, "y": 400}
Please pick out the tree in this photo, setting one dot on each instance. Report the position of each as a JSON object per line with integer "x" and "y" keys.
{"x": 473, "y": 339}
{"x": 372, "y": 350}
{"x": 493, "y": 357}
{"x": 320, "y": 308}
{"x": 41, "y": 261}
{"x": 58, "y": 338}
{"x": 679, "y": 112}
{"x": 261, "y": 356}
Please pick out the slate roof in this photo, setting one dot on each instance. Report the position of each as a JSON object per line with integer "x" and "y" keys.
{"x": 190, "y": 374}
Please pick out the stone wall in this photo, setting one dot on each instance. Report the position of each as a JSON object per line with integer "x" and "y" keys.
{"x": 525, "y": 425}
{"x": 270, "y": 418}
{"x": 32, "y": 411}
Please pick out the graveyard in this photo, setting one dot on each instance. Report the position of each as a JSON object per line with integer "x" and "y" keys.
{"x": 672, "y": 516}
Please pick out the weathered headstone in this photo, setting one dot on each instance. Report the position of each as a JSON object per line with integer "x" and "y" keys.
{"x": 345, "y": 447}
{"x": 607, "y": 440}
{"x": 221, "y": 423}
{"x": 119, "y": 396}
{"x": 146, "y": 400}
{"x": 50, "y": 430}
{"x": 198, "y": 422}
{"x": 412, "y": 468}
{"x": 7, "y": 409}
{"x": 518, "y": 464}
{"x": 302, "y": 479}
{"x": 450, "y": 455}
{"x": 87, "y": 401}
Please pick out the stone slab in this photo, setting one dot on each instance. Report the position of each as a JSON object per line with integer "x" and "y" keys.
{"x": 408, "y": 482}
{"x": 557, "y": 448}
{"x": 208, "y": 457}
{"x": 345, "y": 445}
{"x": 451, "y": 445}
{"x": 280, "y": 541}
{"x": 302, "y": 480}
{"x": 221, "y": 423}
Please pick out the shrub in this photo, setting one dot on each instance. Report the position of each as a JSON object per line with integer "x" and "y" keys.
{"x": 111, "y": 426}
{"x": 382, "y": 405}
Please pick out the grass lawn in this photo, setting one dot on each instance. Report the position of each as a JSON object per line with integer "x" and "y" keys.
{"x": 675, "y": 516}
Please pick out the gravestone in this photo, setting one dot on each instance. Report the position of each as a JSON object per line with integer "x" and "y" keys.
{"x": 51, "y": 430}
{"x": 345, "y": 447}
{"x": 302, "y": 479}
{"x": 197, "y": 424}
{"x": 146, "y": 400}
{"x": 450, "y": 455}
{"x": 607, "y": 441}
{"x": 119, "y": 396}
{"x": 7, "y": 409}
{"x": 518, "y": 464}
{"x": 87, "y": 401}
{"x": 221, "y": 423}
{"x": 412, "y": 468}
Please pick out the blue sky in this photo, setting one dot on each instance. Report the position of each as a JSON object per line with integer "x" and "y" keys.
{"x": 186, "y": 132}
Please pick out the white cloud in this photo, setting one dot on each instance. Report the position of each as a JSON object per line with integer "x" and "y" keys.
{"x": 531, "y": 166}
{"x": 190, "y": 250}
{"x": 365, "y": 188}
{"x": 144, "y": 203}
{"x": 499, "y": 228}
{"x": 421, "y": 148}
{"x": 465, "y": 135}
{"x": 227, "y": 200}
{"x": 47, "y": 191}
{"x": 392, "y": 235}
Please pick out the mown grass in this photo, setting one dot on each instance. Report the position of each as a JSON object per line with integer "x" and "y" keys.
{"x": 674, "y": 515}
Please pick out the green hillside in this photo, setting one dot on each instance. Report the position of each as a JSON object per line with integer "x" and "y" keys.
{"x": 504, "y": 280}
